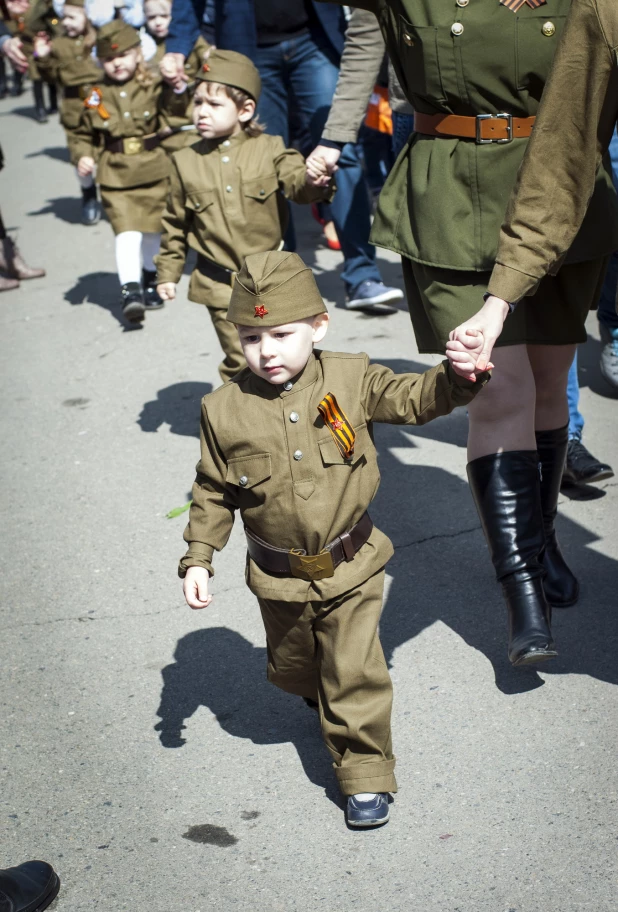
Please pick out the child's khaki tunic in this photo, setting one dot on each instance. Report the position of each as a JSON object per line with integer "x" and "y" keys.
{"x": 73, "y": 67}
{"x": 133, "y": 185}
{"x": 266, "y": 452}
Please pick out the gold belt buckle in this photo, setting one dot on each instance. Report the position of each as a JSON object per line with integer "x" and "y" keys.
{"x": 311, "y": 566}
{"x": 132, "y": 145}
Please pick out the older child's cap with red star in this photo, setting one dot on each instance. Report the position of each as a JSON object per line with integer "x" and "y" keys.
{"x": 272, "y": 289}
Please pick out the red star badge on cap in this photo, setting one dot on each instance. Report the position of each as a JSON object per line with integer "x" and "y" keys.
{"x": 260, "y": 310}
{"x": 206, "y": 68}
{"x": 115, "y": 47}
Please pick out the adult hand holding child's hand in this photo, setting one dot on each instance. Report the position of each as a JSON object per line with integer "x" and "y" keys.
{"x": 464, "y": 352}
{"x": 195, "y": 588}
{"x": 318, "y": 174}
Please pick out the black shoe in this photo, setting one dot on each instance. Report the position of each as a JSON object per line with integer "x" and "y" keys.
{"x": 582, "y": 467}
{"x": 506, "y": 490}
{"x": 91, "y": 211}
{"x": 560, "y": 585}
{"x": 367, "y": 813}
{"x": 29, "y": 887}
{"x": 133, "y": 302}
{"x": 152, "y": 300}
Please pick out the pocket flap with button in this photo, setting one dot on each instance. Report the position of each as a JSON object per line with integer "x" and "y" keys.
{"x": 199, "y": 201}
{"x": 248, "y": 471}
{"x": 332, "y": 455}
{"x": 260, "y": 188}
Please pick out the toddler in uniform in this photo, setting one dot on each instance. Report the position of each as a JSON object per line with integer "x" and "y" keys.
{"x": 227, "y": 195}
{"x": 288, "y": 443}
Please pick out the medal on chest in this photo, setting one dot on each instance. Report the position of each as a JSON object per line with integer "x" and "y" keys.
{"x": 95, "y": 101}
{"x": 516, "y": 5}
{"x": 338, "y": 424}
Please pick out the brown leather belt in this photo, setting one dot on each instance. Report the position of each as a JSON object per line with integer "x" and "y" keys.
{"x": 310, "y": 566}
{"x": 484, "y": 128}
{"x": 131, "y": 145}
{"x": 81, "y": 91}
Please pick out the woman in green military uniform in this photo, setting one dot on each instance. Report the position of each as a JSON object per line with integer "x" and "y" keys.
{"x": 474, "y": 71}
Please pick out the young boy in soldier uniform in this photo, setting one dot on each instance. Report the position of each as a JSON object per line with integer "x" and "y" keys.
{"x": 288, "y": 443}
{"x": 227, "y": 193}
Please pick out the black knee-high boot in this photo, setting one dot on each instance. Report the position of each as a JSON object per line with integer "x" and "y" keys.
{"x": 561, "y": 586}
{"x": 39, "y": 105}
{"x": 506, "y": 490}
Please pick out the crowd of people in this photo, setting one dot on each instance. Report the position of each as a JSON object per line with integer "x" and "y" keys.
{"x": 193, "y": 129}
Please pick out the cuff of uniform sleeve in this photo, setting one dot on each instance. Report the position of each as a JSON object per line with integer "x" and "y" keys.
{"x": 511, "y": 284}
{"x": 473, "y": 385}
{"x": 198, "y": 555}
{"x": 338, "y": 140}
{"x": 165, "y": 274}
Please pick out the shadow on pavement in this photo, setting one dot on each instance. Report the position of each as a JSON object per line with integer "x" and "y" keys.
{"x": 102, "y": 289}
{"x": 66, "y": 208}
{"x": 221, "y": 670}
{"x": 177, "y": 405}
{"x": 59, "y": 153}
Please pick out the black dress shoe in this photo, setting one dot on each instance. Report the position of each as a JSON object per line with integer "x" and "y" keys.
{"x": 91, "y": 211}
{"x": 152, "y": 301}
{"x": 133, "y": 302}
{"x": 582, "y": 467}
{"x": 29, "y": 887}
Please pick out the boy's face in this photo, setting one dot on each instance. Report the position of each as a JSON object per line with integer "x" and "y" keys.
{"x": 278, "y": 353}
{"x": 122, "y": 67}
{"x": 74, "y": 21}
{"x": 158, "y": 17}
{"x": 215, "y": 114}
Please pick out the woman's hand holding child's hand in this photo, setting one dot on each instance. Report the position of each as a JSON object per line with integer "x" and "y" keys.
{"x": 195, "y": 587}
{"x": 464, "y": 355}
{"x": 318, "y": 174}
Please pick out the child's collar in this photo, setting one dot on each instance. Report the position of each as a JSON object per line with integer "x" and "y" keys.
{"x": 223, "y": 143}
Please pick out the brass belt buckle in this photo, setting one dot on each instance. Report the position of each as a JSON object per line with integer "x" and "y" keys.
{"x": 311, "y": 566}
{"x": 132, "y": 145}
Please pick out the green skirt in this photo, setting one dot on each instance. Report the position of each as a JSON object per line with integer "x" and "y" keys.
{"x": 135, "y": 208}
{"x": 441, "y": 299}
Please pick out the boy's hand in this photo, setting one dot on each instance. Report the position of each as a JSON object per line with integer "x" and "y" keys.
{"x": 85, "y": 166}
{"x": 167, "y": 292}
{"x": 318, "y": 174}
{"x": 464, "y": 355}
{"x": 195, "y": 588}
{"x": 42, "y": 45}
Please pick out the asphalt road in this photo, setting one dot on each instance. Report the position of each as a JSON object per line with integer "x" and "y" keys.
{"x": 142, "y": 750}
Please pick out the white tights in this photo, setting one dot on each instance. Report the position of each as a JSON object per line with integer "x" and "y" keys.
{"x": 132, "y": 249}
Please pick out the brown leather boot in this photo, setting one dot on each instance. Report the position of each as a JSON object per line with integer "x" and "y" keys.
{"x": 8, "y": 284}
{"x": 12, "y": 262}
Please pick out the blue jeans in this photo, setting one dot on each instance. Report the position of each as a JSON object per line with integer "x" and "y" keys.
{"x": 576, "y": 419}
{"x": 403, "y": 124}
{"x": 303, "y": 73}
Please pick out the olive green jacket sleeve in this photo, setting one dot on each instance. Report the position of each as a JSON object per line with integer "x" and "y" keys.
{"x": 173, "y": 251}
{"x": 573, "y": 130}
{"x": 416, "y": 398}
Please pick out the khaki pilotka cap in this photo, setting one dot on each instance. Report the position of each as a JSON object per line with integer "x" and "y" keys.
{"x": 116, "y": 37}
{"x": 232, "y": 69}
{"x": 272, "y": 289}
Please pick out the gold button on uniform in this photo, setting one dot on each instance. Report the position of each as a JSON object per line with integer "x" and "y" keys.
{"x": 408, "y": 38}
{"x": 243, "y": 480}
{"x": 457, "y": 29}
{"x": 548, "y": 29}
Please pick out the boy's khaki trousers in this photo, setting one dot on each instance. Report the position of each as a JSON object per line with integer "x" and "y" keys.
{"x": 216, "y": 297}
{"x": 331, "y": 653}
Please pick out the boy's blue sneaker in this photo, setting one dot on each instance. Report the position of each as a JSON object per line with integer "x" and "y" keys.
{"x": 609, "y": 354}
{"x": 373, "y": 298}
{"x": 367, "y": 811}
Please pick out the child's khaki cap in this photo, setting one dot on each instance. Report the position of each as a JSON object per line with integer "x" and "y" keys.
{"x": 115, "y": 38}
{"x": 231, "y": 69}
{"x": 272, "y": 289}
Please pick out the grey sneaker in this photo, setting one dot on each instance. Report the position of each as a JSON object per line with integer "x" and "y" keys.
{"x": 374, "y": 298}
{"x": 609, "y": 355}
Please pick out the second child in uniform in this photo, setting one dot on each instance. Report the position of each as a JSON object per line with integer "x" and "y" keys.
{"x": 227, "y": 195}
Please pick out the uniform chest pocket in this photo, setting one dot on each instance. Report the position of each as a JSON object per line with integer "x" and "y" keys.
{"x": 199, "y": 201}
{"x": 332, "y": 455}
{"x": 536, "y": 43}
{"x": 247, "y": 472}
{"x": 260, "y": 188}
{"x": 420, "y": 60}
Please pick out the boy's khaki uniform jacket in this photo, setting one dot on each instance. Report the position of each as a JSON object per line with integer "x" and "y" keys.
{"x": 71, "y": 65}
{"x": 299, "y": 491}
{"x": 575, "y": 125}
{"x": 134, "y": 111}
{"x": 445, "y": 198}
{"x": 226, "y": 200}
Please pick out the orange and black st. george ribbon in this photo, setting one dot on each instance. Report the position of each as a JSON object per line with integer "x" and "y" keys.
{"x": 337, "y": 422}
{"x": 516, "y": 5}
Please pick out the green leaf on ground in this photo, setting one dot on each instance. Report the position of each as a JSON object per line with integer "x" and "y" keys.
{"x": 178, "y": 510}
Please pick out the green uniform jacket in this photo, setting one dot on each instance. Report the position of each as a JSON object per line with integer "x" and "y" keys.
{"x": 134, "y": 110}
{"x": 445, "y": 198}
{"x": 69, "y": 63}
{"x": 226, "y": 200}
{"x": 575, "y": 125}
{"x": 290, "y": 502}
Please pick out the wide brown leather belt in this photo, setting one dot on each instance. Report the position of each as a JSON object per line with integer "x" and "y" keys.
{"x": 298, "y": 563}
{"x": 81, "y": 91}
{"x": 215, "y": 272}
{"x": 131, "y": 145}
{"x": 484, "y": 128}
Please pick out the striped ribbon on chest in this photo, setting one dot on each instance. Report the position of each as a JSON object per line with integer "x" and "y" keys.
{"x": 337, "y": 422}
{"x": 516, "y": 5}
